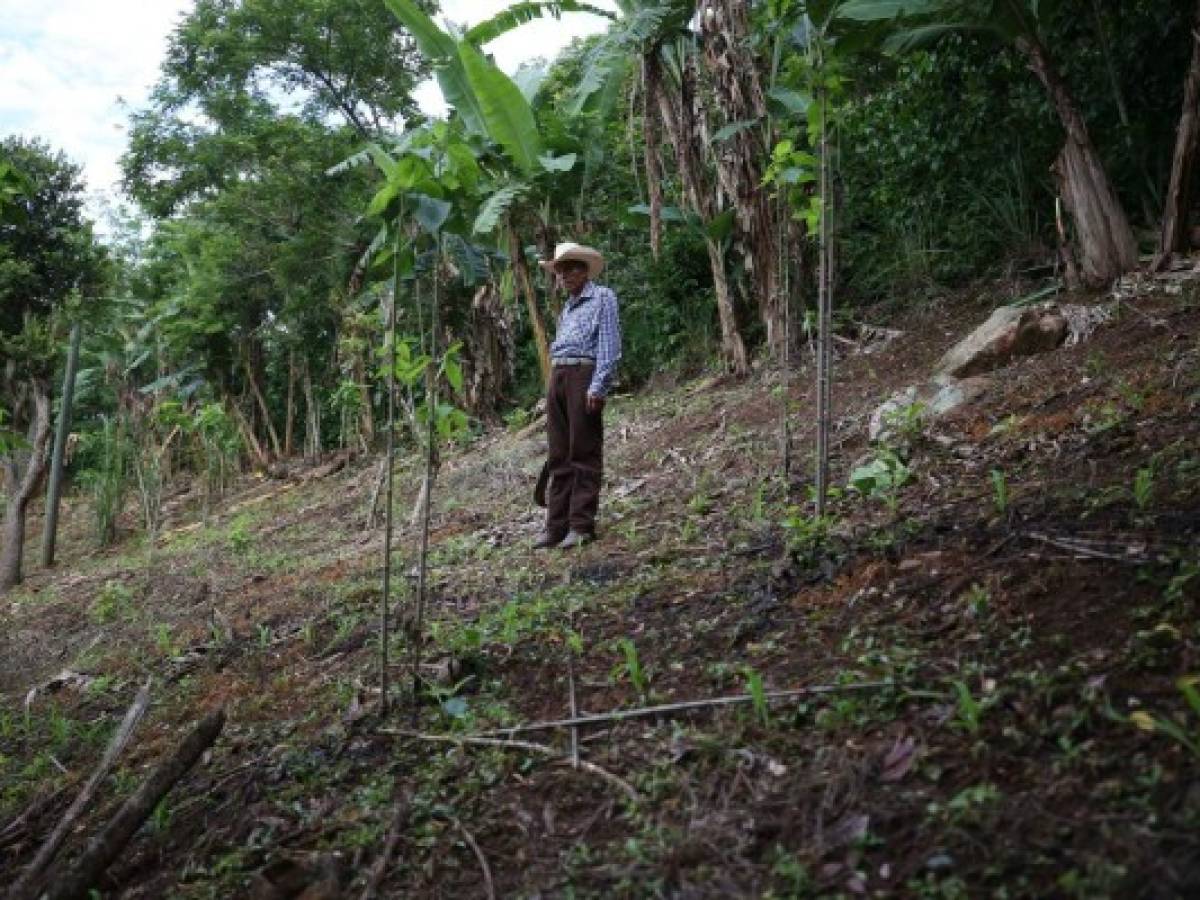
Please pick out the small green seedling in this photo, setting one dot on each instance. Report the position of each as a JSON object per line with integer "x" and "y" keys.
{"x": 758, "y": 696}
{"x": 1143, "y": 488}
{"x": 969, "y": 710}
{"x": 1000, "y": 491}
{"x": 633, "y": 667}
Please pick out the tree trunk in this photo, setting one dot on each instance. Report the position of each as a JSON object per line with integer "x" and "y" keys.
{"x": 652, "y": 140}
{"x": 679, "y": 117}
{"x": 366, "y": 420}
{"x": 312, "y": 417}
{"x": 289, "y": 425}
{"x": 252, "y": 442}
{"x": 21, "y": 485}
{"x": 490, "y": 348}
{"x": 50, "y": 532}
{"x": 524, "y": 285}
{"x": 261, "y": 400}
{"x": 547, "y": 237}
{"x": 1107, "y": 248}
{"x": 739, "y": 159}
{"x": 1174, "y": 237}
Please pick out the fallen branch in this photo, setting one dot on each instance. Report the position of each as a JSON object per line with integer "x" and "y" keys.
{"x": 1083, "y": 550}
{"x": 668, "y": 708}
{"x": 489, "y": 885}
{"x": 389, "y": 850}
{"x": 615, "y": 780}
{"x": 109, "y": 843}
{"x": 24, "y": 885}
{"x": 19, "y": 824}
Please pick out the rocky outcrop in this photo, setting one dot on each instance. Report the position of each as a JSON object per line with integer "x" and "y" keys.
{"x": 915, "y": 406}
{"x": 1008, "y": 333}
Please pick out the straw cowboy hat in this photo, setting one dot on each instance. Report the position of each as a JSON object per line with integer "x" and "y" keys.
{"x": 570, "y": 251}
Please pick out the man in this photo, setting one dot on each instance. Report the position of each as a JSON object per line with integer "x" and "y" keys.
{"x": 584, "y": 357}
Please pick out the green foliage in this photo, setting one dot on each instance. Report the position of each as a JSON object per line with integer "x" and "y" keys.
{"x": 882, "y": 477}
{"x": 220, "y": 446}
{"x": 970, "y": 710}
{"x": 113, "y": 602}
{"x": 108, "y": 477}
{"x": 1143, "y": 487}
{"x": 632, "y": 667}
{"x": 806, "y": 535}
{"x": 999, "y": 491}
{"x": 1185, "y": 730}
{"x": 47, "y": 253}
{"x": 758, "y": 696}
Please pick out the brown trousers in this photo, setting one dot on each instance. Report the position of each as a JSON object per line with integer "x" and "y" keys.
{"x": 576, "y": 452}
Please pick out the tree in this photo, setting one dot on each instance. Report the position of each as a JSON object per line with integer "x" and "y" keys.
{"x": 1187, "y": 141}
{"x": 1106, "y": 243}
{"x": 337, "y": 57}
{"x": 48, "y": 255}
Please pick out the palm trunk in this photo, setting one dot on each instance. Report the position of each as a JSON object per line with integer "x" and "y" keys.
{"x": 1107, "y": 248}
{"x": 652, "y": 139}
{"x": 738, "y": 86}
{"x": 678, "y": 114}
{"x": 261, "y": 400}
{"x": 524, "y": 285}
{"x": 1174, "y": 237}
{"x": 21, "y": 485}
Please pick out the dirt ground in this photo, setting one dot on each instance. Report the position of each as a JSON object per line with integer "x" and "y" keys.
{"x": 1007, "y": 638}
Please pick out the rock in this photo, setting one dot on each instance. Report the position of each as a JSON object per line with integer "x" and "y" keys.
{"x": 1008, "y": 333}
{"x": 916, "y": 405}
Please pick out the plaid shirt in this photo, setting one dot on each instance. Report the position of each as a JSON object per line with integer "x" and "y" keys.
{"x": 590, "y": 327}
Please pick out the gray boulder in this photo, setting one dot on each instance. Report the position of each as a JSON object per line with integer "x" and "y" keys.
{"x": 915, "y": 406}
{"x": 1008, "y": 333}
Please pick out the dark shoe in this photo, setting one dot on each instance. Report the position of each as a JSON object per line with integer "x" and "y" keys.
{"x": 547, "y": 539}
{"x": 576, "y": 539}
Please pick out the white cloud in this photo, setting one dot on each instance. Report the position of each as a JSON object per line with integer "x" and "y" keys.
{"x": 70, "y": 70}
{"x": 67, "y": 67}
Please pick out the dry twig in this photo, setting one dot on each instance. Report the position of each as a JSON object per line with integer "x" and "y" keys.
{"x": 488, "y": 884}
{"x": 389, "y": 849}
{"x": 669, "y": 708}
{"x": 476, "y": 741}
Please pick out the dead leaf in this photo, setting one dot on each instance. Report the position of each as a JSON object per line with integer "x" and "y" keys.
{"x": 848, "y": 830}
{"x": 899, "y": 760}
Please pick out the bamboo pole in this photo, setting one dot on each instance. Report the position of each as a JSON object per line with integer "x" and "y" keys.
{"x": 825, "y": 315}
{"x": 385, "y": 601}
{"x": 431, "y": 410}
{"x": 50, "y": 532}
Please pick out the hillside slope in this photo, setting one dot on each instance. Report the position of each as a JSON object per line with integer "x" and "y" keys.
{"x": 1008, "y": 628}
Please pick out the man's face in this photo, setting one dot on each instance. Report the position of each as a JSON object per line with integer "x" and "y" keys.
{"x": 572, "y": 276}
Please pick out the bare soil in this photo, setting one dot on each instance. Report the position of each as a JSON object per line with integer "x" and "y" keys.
{"x": 1023, "y": 607}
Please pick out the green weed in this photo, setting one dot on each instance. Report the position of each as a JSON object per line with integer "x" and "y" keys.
{"x": 1000, "y": 491}
{"x": 632, "y": 666}
{"x": 113, "y": 602}
{"x": 1143, "y": 488}
{"x": 969, "y": 709}
{"x": 758, "y": 696}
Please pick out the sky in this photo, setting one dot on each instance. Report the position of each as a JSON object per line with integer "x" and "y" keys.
{"x": 72, "y": 70}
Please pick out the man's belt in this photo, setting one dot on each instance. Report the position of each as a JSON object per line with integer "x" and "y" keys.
{"x": 574, "y": 361}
